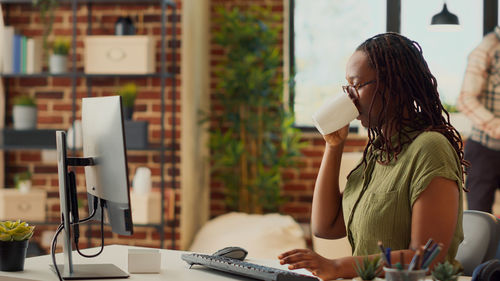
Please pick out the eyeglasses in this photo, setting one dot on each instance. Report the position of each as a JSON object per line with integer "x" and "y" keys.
{"x": 352, "y": 90}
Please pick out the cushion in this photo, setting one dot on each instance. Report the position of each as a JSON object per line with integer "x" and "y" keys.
{"x": 263, "y": 236}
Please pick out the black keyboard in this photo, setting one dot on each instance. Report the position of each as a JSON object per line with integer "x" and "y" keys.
{"x": 247, "y": 269}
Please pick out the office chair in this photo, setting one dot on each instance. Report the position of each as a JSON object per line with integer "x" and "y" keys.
{"x": 481, "y": 236}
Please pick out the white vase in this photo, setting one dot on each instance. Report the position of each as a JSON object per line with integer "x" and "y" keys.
{"x": 24, "y": 117}
{"x": 58, "y": 64}
{"x": 74, "y": 138}
{"x": 25, "y": 186}
{"x": 142, "y": 180}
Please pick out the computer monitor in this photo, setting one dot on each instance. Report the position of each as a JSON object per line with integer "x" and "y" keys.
{"x": 106, "y": 176}
{"x": 103, "y": 140}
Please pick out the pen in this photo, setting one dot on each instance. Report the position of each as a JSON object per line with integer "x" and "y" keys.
{"x": 384, "y": 257}
{"x": 428, "y": 244}
{"x": 431, "y": 257}
{"x": 414, "y": 260}
{"x": 388, "y": 256}
{"x": 428, "y": 253}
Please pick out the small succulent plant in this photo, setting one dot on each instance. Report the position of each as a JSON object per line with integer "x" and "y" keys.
{"x": 61, "y": 46}
{"x": 445, "y": 272}
{"x": 15, "y": 231}
{"x": 369, "y": 269}
{"x": 128, "y": 93}
{"x": 24, "y": 100}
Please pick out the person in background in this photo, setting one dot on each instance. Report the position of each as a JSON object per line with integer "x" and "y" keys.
{"x": 408, "y": 186}
{"x": 479, "y": 100}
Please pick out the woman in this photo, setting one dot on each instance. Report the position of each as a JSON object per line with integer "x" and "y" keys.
{"x": 408, "y": 186}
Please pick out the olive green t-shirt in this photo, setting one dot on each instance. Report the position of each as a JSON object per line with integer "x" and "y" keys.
{"x": 377, "y": 201}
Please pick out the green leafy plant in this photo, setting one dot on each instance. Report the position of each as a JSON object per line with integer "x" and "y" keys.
{"x": 445, "y": 272}
{"x": 369, "y": 269}
{"x": 20, "y": 177}
{"x": 129, "y": 94}
{"x": 61, "y": 46}
{"x": 46, "y": 8}
{"x": 15, "y": 231}
{"x": 450, "y": 108}
{"x": 24, "y": 100}
{"x": 252, "y": 137}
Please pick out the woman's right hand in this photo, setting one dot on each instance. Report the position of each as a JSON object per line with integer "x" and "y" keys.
{"x": 337, "y": 137}
{"x": 304, "y": 258}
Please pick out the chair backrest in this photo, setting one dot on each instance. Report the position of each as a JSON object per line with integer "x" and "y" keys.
{"x": 481, "y": 236}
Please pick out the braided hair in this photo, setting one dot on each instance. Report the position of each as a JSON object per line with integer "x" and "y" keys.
{"x": 409, "y": 93}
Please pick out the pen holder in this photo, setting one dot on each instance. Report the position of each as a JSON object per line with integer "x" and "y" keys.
{"x": 394, "y": 274}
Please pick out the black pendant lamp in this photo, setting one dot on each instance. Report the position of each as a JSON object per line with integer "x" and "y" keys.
{"x": 444, "y": 17}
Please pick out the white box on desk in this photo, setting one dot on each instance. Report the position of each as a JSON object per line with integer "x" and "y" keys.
{"x": 133, "y": 54}
{"x": 146, "y": 208}
{"x": 144, "y": 261}
{"x": 28, "y": 206}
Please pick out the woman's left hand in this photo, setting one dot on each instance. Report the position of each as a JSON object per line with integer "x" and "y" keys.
{"x": 305, "y": 258}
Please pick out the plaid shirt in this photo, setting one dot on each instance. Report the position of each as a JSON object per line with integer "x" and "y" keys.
{"x": 480, "y": 95}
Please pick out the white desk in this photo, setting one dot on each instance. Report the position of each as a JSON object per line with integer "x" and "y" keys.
{"x": 172, "y": 266}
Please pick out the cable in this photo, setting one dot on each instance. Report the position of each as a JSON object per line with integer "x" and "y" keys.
{"x": 53, "y": 245}
{"x": 53, "y": 251}
{"x": 76, "y": 221}
{"x": 102, "y": 235}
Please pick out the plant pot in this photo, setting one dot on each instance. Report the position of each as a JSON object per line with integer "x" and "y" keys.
{"x": 24, "y": 186}
{"x": 24, "y": 117}
{"x": 128, "y": 111}
{"x": 359, "y": 279}
{"x": 12, "y": 255}
{"x": 58, "y": 64}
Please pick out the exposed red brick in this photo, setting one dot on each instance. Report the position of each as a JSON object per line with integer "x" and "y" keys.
{"x": 294, "y": 187}
{"x": 46, "y": 170}
{"x": 62, "y": 107}
{"x": 33, "y": 82}
{"x": 137, "y": 159}
{"x": 61, "y": 82}
{"x": 31, "y": 156}
{"x": 50, "y": 119}
{"x": 49, "y": 95}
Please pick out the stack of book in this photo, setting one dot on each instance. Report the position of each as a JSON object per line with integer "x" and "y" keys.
{"x": 20, "y": 54}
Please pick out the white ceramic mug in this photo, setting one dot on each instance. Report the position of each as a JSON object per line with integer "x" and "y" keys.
{"x": 334, "y": 114}
{"x": 142, "y": 180}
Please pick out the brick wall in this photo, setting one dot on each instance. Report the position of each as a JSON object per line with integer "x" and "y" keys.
{"x": 54, "y": 98}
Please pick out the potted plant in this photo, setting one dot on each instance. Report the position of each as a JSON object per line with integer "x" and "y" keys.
{"x": 23, "y": 181}
{"x": 24, "y": 113}
{"x": 252, "y": 137}
{"x": 128, "y": 92}
{"x": 59, "y": 59}
{"x": 445, "y": 272}
{"x": 46, "y": 8}
{"x": 459, "y": 120}
{"x": 14, "y": 237}
{"x": 369, "y": 269}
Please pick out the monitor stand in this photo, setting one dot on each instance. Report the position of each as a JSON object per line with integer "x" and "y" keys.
{"x": 92, "y": 271}
{"x": 70, "y": 271}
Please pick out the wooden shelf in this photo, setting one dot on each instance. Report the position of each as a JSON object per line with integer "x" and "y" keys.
{"x": 27, "y": 140}
{"x": 85, "y": 75}
{"x": 168, "y": 2}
